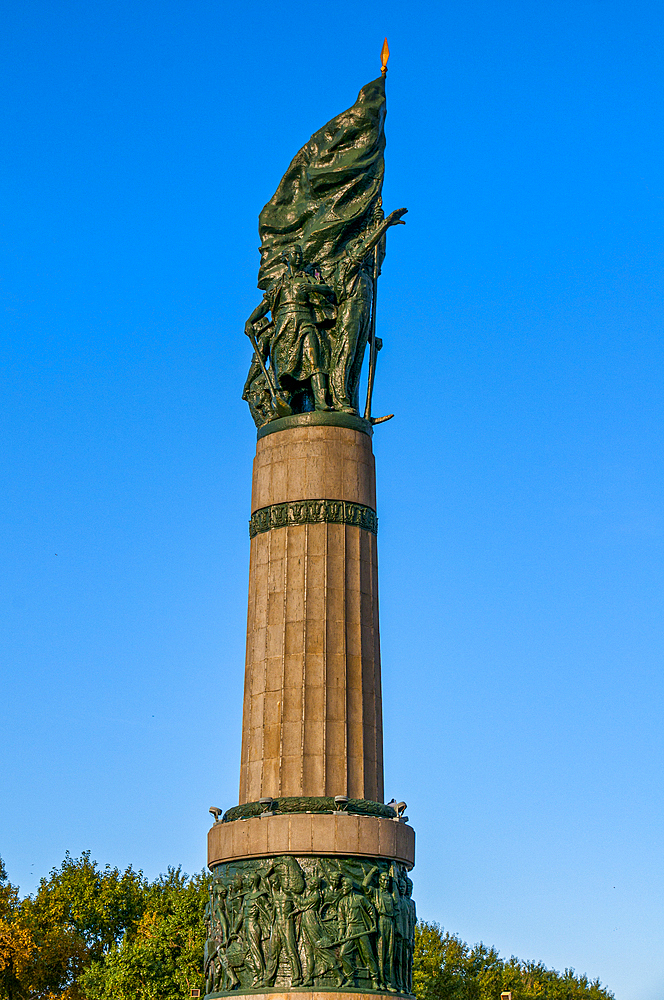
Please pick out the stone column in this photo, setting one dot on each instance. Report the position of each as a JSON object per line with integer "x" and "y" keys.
{"x": 312, "y": 721}
{"x": 310, "y": 886}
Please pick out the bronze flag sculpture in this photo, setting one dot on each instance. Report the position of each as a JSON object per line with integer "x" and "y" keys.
{"x": 322, "y": 247}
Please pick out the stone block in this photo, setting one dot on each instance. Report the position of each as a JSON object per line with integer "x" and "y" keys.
{"x": 405, "y": 842}
{"x": 339, "y": 833}
{"x": 272, "y": 733}
{"x": 291, "y": 775}
{"x": 272, "y": 667}
{"x": 270, "y": 781}
{"x": 313, "y": 772}
{"x": 257, "y": 841}
{"x": 335, "y": 773}
{"x": 278, "y": 839}
{"x": 300, "y": 836}
{"x": 294, "y": 638}
{"x": 291, "y": 745}
{"x": 240, "y": 838}
{"x": 316, "y": 546}
{"x": 347, "y": 833}
{"x": 256, "y": 711}
{"x": 368, "y": 841}
{"x": 315, "y": 638}
{"x": 292, "y": 709}
{"x": 336, "y": 668}
{"x": 316, "y": 569}
{"x": 315, "y": 601}
{"x": 314, "y": 705}
{"x": 295, "y": 595}
{"x": 335, "y": 706}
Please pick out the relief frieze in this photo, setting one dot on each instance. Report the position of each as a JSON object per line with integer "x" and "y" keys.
{"x": 293, "y": 512}
{"x": 322, "y": 923}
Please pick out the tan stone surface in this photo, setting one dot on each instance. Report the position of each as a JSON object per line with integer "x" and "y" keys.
{"x": 317, "y": 995}
{"x": 314, "y": 463}
{"x": 312, "y": 833}
{"x": 312, "y": 722}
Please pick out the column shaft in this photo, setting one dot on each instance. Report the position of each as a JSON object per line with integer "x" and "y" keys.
{"x": 312, "y": 722}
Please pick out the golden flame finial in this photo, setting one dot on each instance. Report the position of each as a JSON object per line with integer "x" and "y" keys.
{"x": 384, "y": 56}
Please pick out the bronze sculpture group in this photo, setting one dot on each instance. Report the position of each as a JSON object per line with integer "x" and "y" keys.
{"x": 318, "y": 923}
{"x": 309, "y": 354}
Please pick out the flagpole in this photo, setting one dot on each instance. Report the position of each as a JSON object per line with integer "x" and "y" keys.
{"x": 372, "y": 334}
{"x": 384, "y": 56}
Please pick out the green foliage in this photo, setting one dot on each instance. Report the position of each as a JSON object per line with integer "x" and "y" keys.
{"x": 445, "y": 968}
{"x": 75, "y": 918}
{"x": 162, "y": 957}
{"x": 17, "y": 945}
{"x": 101, "y": 934}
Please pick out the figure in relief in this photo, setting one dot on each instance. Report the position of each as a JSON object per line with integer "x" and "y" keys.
{"x": 337, "y": 924}
{"x": 317, "y": 945}
{"x": 219, "y": 971}
{"x": 249, "y": 923}
{"x": 356, "y": 925}
{"x": 383, "y": 902}
{"x": 410, "y": 939}
{"x": 283, "y": 936}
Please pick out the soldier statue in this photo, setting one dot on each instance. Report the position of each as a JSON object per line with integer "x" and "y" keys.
{"x": 301, "y": 307}
{"x": 383, "y": 902}
{"x": 356, "y": 925}
{"x": 354, "y": 283}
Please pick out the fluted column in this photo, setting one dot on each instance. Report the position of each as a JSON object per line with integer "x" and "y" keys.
{"x": 313, "y": 879}
{"x": 312, "y": 720}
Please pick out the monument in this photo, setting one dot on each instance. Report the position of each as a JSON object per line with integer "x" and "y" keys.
{"x": 310, "y": 889}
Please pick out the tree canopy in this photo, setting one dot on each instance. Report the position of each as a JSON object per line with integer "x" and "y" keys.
{"x": 92, "y": 933}
{"x": 446, "y": 968}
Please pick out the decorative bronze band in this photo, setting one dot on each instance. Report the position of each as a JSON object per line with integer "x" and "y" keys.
{"x": 345, "y": 899}
{"x": 309, "y": 804}
{"x": 317, "y": 418}
{"x": 282, "y": 515}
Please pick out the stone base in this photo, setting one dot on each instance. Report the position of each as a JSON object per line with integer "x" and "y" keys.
{"x": 312, "y": 993}
{"x": 310, "y": 833}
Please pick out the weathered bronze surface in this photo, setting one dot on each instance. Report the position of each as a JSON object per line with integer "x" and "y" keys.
{"x": 322, "y": 248}
{"x": 282, "y": 515}
{"x": 285, "y": 922}
{"x": 316, "y": 418}
{"x": 309, "y": 804}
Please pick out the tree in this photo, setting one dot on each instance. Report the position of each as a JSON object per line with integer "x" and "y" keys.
{"x": 162, "y": 958}
{"x": 76, "y": 916}
{"x": 446, "y": 968}
{"x": 17, "y": 946}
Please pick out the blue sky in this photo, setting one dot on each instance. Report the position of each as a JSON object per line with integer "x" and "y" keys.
{"x": 520, "y": 483}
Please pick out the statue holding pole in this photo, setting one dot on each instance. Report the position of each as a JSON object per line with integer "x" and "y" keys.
{"x": 322, "y": 245}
